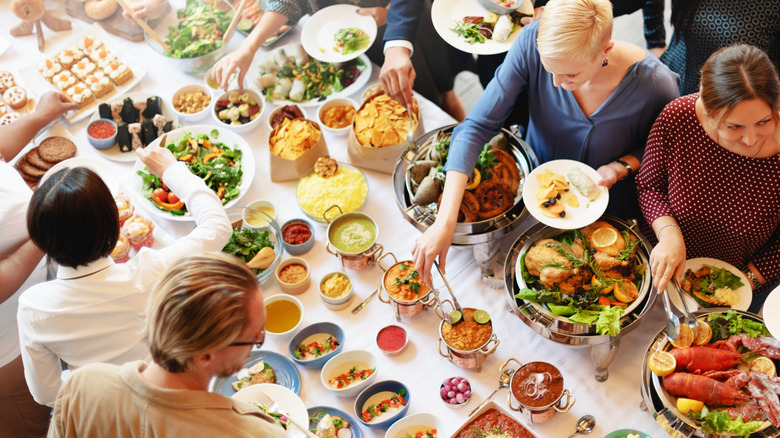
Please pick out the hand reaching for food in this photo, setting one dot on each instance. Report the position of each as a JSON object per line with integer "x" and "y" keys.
{"x": 397, "y": 75}
{"x": 667, "y": 259}
{"x": 435, "y": 242}
{"x": 143, "y": 9}
{"x": 537, "y": 15}
{"x": 53, "y": 105}
{"x": 157, "y": 158}
{"x": 239, "y": 60}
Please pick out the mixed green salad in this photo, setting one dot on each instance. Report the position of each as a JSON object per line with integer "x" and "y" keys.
{"x": 351, "y": 40}
{"x": 247, "y": 242}
{"x": 597, "y": 304}
{"x": 199, "y": 32}
{"x": 217, "y": 164}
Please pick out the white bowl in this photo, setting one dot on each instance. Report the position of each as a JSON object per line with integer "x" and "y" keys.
{"x": 340, "y": 101}
{"x": 282, "y": 297}
{"x": 412, "y": 424}
{"x": 279, "y": 109}
{"x": 246, "y": 127}
{"x": 341, "y": 363}
{"x": 266, "y": 207}
{"x": 341, "y": 302}
{"x": 192, "y": 117}
{"x": 294, "y": 288}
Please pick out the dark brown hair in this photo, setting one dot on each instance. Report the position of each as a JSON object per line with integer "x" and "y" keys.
{"x": 735, "y": 74}
{"x": 73, "y": 217}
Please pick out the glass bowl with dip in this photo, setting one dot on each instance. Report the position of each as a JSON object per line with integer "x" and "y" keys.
{"x": 284, "y": 314}
{"x": 293, "y": 275}
{"x": 316, "y": 344}
{"x": 336, "y": 290}
{"x": 352, "y": 238}
{"x": 298, "y": 235}
{"x": 252, "y": 214}
{"x": 249, "y": 242}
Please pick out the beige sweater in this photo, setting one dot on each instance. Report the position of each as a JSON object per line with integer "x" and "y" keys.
{"x": 101, "y": 400}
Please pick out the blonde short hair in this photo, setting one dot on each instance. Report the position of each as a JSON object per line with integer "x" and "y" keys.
{"x": 198, "y": 307}
{"x": 578, "y": 29}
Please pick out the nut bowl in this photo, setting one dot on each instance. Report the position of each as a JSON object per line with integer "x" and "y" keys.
{"x": 319, "y": 332}
{"x": 187, "y": 109}
{"x": 301, "y": 285}
{"x": 240, "y": 243}
{"x": 229, "y": 110}
{"x": 341, "y": 364}
{"x": 192, "y": 65}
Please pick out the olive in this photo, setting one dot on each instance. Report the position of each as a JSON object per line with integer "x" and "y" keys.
{"x": 562, "y": 214}
{"x": 552, "y": 201}
{"x": 558, "y": 196}
{"x": 546, "y": 204}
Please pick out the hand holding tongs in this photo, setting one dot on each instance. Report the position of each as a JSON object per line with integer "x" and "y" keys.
{"x": 447, "y": 284}
{"x": 688, "y": 319}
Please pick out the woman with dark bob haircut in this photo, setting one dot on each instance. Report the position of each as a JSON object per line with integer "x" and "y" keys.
{"x": 93, "y": 311}
{"x": 710, "y": 182}
{"x": 74, "y": 196}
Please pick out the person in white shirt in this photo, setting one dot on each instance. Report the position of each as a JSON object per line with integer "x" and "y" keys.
{"x": 93, "y": 311}
{"x": 20, "y": 268}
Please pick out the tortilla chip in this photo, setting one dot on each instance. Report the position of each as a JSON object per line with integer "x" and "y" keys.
{"x": 292, "y": 138}
{"x": 381, "y": 121}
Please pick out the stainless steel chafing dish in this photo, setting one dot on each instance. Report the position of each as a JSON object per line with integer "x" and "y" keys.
{"x": 485, "y": 236}
{"x": 559, "y": 329}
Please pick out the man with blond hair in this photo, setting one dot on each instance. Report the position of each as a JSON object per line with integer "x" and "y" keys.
{"x": 202, "y": 320}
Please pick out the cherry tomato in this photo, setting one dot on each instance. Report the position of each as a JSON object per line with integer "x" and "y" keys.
{"x": 165, "y": 187}
{"x": 172, "y": 198}
{"x": 160, "y": 194}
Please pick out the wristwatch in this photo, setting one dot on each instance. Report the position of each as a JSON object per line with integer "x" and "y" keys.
{"x": 628, "y": 167}
{"x": 752, "y": 277}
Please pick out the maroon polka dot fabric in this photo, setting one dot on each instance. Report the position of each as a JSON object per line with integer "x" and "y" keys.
{"x": 727, "y": 205}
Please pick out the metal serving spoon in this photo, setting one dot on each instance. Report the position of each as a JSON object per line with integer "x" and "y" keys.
{"x": 503, "y": 382}
{"x": 584, "y": 426}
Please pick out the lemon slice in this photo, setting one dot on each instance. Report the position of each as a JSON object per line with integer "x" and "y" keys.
{"x": 604, "y": 237}
{"x": 456, "y": 317}
{"x": 476, "y": 178}
{"x": 686, "y": 337}
{"x": 763, "y": 364}
{"x": 686, "y": 405}
{"x": 481, "y": 317}
{"x": 625, "y": 292}
{"x": 703, "y": 333}
{"x": 662, "y": 363}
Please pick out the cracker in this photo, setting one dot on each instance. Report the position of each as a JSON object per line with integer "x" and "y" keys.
{"x": 33, "y": 158}
{"x": 30, "y": 170}
{"x": 56, "y": 149}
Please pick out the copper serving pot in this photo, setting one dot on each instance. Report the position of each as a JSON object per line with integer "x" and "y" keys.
{"x": 465, "y": 358}
{"x": 537, "y": 388}
{"x": 405, "y": 308}
{"x": 353, "y": 260}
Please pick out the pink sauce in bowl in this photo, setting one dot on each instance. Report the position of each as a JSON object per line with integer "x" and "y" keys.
{"x": 392, "y": 340}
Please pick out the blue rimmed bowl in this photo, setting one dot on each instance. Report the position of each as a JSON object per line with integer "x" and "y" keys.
{"x": 375, "y": 394}
{"x": 324, "y": 328}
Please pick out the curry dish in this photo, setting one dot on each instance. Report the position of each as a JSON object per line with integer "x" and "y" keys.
{"x": 466, "y": 335}
{"x": 404, "y": 283}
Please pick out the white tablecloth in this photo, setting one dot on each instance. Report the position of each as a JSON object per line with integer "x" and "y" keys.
{"x": 615, "y": 403}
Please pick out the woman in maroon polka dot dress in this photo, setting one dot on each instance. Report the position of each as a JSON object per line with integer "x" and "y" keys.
{"x": 710, "y": 179}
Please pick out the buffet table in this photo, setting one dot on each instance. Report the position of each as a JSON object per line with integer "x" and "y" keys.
{"x": 615, "y": 403}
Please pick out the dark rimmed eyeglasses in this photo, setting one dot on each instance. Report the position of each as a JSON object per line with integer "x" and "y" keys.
{"x": 255, "y": 344}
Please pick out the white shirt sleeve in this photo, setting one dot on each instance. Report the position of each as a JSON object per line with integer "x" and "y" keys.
{"x": 42, "y": 369}
{"x": 399, "y": 43}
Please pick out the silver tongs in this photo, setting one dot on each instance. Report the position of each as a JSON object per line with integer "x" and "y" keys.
{"x": 447, "y": 284}
{"x": 688, "y": 319}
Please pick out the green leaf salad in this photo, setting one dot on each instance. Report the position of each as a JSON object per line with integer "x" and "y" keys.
{"x": 199, "y": 32}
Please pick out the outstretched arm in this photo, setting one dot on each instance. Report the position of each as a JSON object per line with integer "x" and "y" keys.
{"x": 16, "y": 135}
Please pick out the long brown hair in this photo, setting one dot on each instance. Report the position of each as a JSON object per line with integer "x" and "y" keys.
{"x": 738, "y": 73}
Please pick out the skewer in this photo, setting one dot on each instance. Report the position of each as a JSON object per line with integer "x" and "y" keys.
{"x": 143, "y": 25}
{"x": 233, "y": 22}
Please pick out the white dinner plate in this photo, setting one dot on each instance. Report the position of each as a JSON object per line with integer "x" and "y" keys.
{"x": 104, "y": 171}
{"x": 40, "y": 85}
{"x": 288, "y": 402}
{"x": 744, "y": 292}
{"x": 445, "y": 13}
{"x": 226, "y": 136}
{"x": 771, "y": 312}
{"x": 319, "y": 31}
{"x": 253, "y": 75}
{"x": 576, "y": 217}
{"x": 113, "y": 153}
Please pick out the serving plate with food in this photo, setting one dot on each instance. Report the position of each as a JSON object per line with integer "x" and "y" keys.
{"x": 288, "y": 402}
{"x": 260, "y": 367}
{"x": 627, "y": 433}
{"x": 564, "y": 194}
{"x": 140, "y": 118}
{"x": 468, "y": 26}
{"x": 217, "y": 153}
{"x": 328, "y": 422}
{"x": 493, "y": 419}
{"x": 709, "y": 282}
{"x": 51, "y": 147}
{"x": 288, "y": 75}
{"x": 87, "y": 69}
{"x": 721, "y": 382}
{"x": 338, "y": 34}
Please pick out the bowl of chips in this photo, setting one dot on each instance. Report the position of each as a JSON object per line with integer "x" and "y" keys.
{"x": 294, "y": 146}
{"x": 337, "y": 115}
{"x": 378, "y": 135}
{"x": 277, "y": 116}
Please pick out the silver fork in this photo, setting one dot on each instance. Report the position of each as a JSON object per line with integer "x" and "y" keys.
{"x": 688, "y": 319}
{"x": 410, "y": 135}
{"x": 273, "y": 407}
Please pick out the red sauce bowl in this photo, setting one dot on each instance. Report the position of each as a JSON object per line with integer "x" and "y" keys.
{"x": 392, "y": 340}
{"x": 101, "y": 133}
{"x": 298, "y": 236}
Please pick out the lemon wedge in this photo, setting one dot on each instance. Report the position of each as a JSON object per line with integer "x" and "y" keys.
{"x": 686, "y": 405}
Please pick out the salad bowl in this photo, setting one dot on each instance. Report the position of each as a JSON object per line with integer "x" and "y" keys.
{"x": 246, "y": 244}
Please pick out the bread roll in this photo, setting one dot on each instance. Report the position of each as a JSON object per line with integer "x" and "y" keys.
{"x": 100, "y": 9}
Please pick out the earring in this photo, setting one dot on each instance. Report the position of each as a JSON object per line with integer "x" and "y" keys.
{"x": 605, "y": 62}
